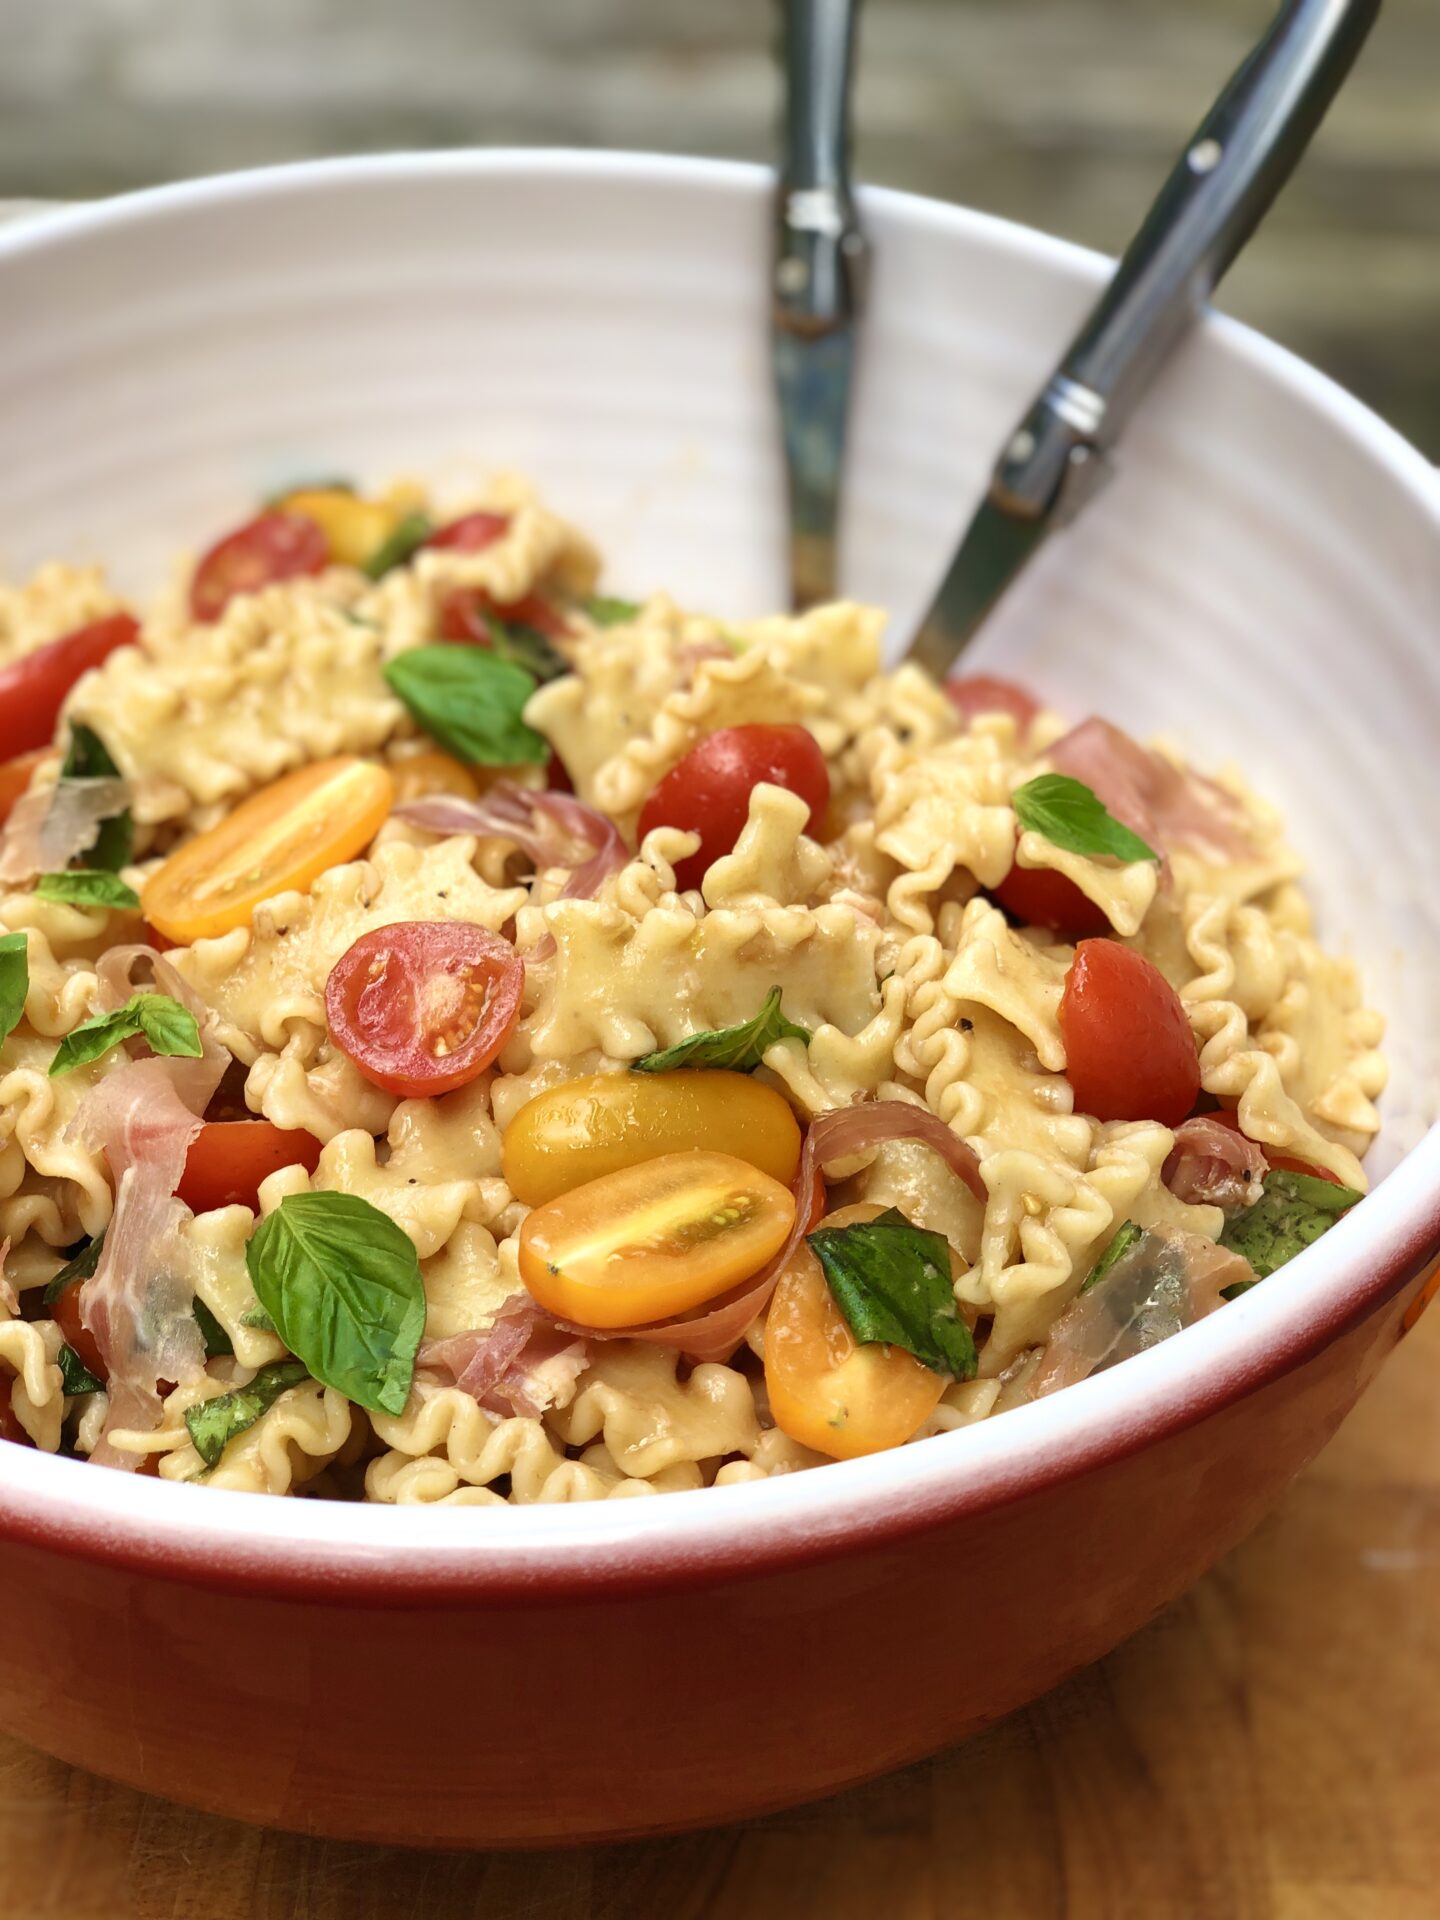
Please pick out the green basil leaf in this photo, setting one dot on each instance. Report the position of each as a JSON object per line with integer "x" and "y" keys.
{"x": 342, "y": 1283}
{"x": 218, "y": 1343}
{"x": 215, "y": 1423}
{"x": 608, "y": 612}
{"x": 79, "y": 1267}
{"x": 1291, "y": 1214}
{"x": 527, "y": 647}
{"x": 76, "y": 1375}
{"x": 471, "y": 701}
{"x": 169, "y": 1028}
{"x": 741, "y": 1048}
{"x": 87, "y": 887}
{"x": 1070, "y": 816}
{"x": 399, "y": 545}
{"x": 14, "y": 980}
{"x": 892, "y": 1283}
{"x": 1236, "y": 1288}
{"x": 1115, "y": 1249}
{"x": 88, "y": 758}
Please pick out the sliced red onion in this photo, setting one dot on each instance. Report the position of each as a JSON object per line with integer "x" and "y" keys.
{"x": 1167, "y": 806}
{"x": 1166, "y": 1281}
{"x": 49, "y": 826}
{"x": 551, "y": 828}
{"x": 1214, "y": 1165}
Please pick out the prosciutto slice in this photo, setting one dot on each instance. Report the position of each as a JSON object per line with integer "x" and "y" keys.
{"x": 1167, "y": 806}
{"x": 49, "y": 826}
{"x": 554, "y": 829}
{"x": 1166, "y": 1281}
{"x": 519, "y": 1364}
{"x": 1214, "y": 1165}
{"x": 143, "y": 1117}
{"x": 840, "y": 1135}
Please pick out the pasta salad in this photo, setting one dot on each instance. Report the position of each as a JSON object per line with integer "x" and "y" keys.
{"x": 468, "y": 1039}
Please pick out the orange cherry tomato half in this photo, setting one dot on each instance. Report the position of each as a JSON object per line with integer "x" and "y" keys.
{"x": 15, "y": 777}
{"x": 977, "y": 693}
{"x": 709, "y": 791}
{"x": 274, "y": 546}
{"x": 1130, "y": 1054}
{"x": 283, "y": 837}
{"x": 229, "y": 1158}
{"x": 424, "y": 1006}
{"x": 826, "y": 1389}
{"x": 653, "y": 1240}
{"x": 1040, "y": 897}
{"x": 420, "y": 774}
{"x": 596, "y": 1125}
{"x": 33, "y": 688}
{"x": 10, "y": 1427}
{"x": 65, "y": 1312}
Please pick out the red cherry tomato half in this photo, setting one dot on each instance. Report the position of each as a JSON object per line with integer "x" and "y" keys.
{"x": 33, "y": 688}
{"x": 15, "y": 777}
{"x": 1224, "y": 1117}
{"x": 709, "y": 791}
{"x": 471, "y": 533}
{"x": 276, "y": 546}
{"x": 229, "y": 1158}
{"x": 10, "y": 1427}
{"x": 424, "y": 1006}
{"x": 463, "y": 616}
{"x": 65, "y": 1312}
{"x": 1128, "y": 1045}
{"x": 1040, "y": 897}
{"x": 978, "y": 693}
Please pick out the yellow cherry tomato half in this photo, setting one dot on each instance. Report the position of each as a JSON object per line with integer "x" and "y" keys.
{"x": 827, "y": 1390}
{"x": 281, "y": 838}
{"x": 353, "y": 526}
{"x": 653, "y": 1240}
{"x": 419, "y": 775}
{"x": 592, "y": 1127}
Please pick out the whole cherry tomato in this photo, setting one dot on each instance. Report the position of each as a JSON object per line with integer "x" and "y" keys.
{"x": 424, "y": 1006}
{"x": 229, "y": 1158}
{"x": 275, "y": 546}
{"x": 977, "y": 693}
{"x": 1040, "y": 897}
{"x": 709, "y": 791}
{"x": 65, "y": 1312}
{"x": 1130, "y": 1054}
{"x": 33, "y": 688}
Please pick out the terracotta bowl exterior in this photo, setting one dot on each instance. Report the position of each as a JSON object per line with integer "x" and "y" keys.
{"x": 1263, "y": 580}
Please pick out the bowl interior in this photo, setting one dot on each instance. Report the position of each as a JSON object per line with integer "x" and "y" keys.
{"x": 1261, "y": 580}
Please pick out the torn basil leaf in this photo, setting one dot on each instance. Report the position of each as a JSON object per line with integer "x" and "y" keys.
{"x": 740, "y": 1049}
{"x": 80, "y": 1266}
{"x": 527, "y": 647}
{"x": 892, "y": 1282}
{"x": 1291, "y": 1214}
{"x": 606, "y": 611}
{"x": 88, "y": 758}
{"x": 169, "y": 1028}
{"x": 218, "y": 1343}
{"x": 1067, "y": 814}
{"x": 471, "y": 701}
{"x": 342, "y": 1283}
{"x": 258, "y": 1320}
{"x": 1116, "y": 1249}
{"x": 14, "y": 980}
{"x": 76, "y": 1375}
{"x": 402, "y": 542}
{"x": 215, "y": 1423}
{"x": 86, "y": 887}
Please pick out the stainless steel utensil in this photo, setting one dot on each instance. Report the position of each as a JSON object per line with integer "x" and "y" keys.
{"x": 1240, "y": 156}
{"x": 819, "y": 281}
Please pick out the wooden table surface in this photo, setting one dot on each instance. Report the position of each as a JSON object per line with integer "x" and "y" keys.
{"x": 1267, "y": 1750}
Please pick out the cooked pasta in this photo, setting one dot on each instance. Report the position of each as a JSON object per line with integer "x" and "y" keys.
{"x": 370, "y": 1110}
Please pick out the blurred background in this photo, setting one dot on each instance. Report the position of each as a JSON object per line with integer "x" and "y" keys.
{"x": 1062, "y": 113}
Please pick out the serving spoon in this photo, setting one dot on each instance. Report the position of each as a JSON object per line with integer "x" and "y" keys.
{"x": 1058, "y": 456}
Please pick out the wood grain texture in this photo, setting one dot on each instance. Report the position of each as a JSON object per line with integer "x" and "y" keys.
{"x": 1062, "y": 113}
{"x": 1269, "y": 1749}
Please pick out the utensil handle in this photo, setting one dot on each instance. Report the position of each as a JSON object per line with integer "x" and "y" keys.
{"x": 819, "y": 246}
{"x": 1239, "y": 157}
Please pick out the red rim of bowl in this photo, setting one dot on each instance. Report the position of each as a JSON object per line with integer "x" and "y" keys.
{"x": 416, "y": 1557}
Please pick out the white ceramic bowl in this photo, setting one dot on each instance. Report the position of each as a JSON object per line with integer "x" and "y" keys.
{"x": 1262, "y": 580}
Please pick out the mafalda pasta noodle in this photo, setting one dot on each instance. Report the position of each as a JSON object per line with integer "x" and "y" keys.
{"x": 469, "y": 1040}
